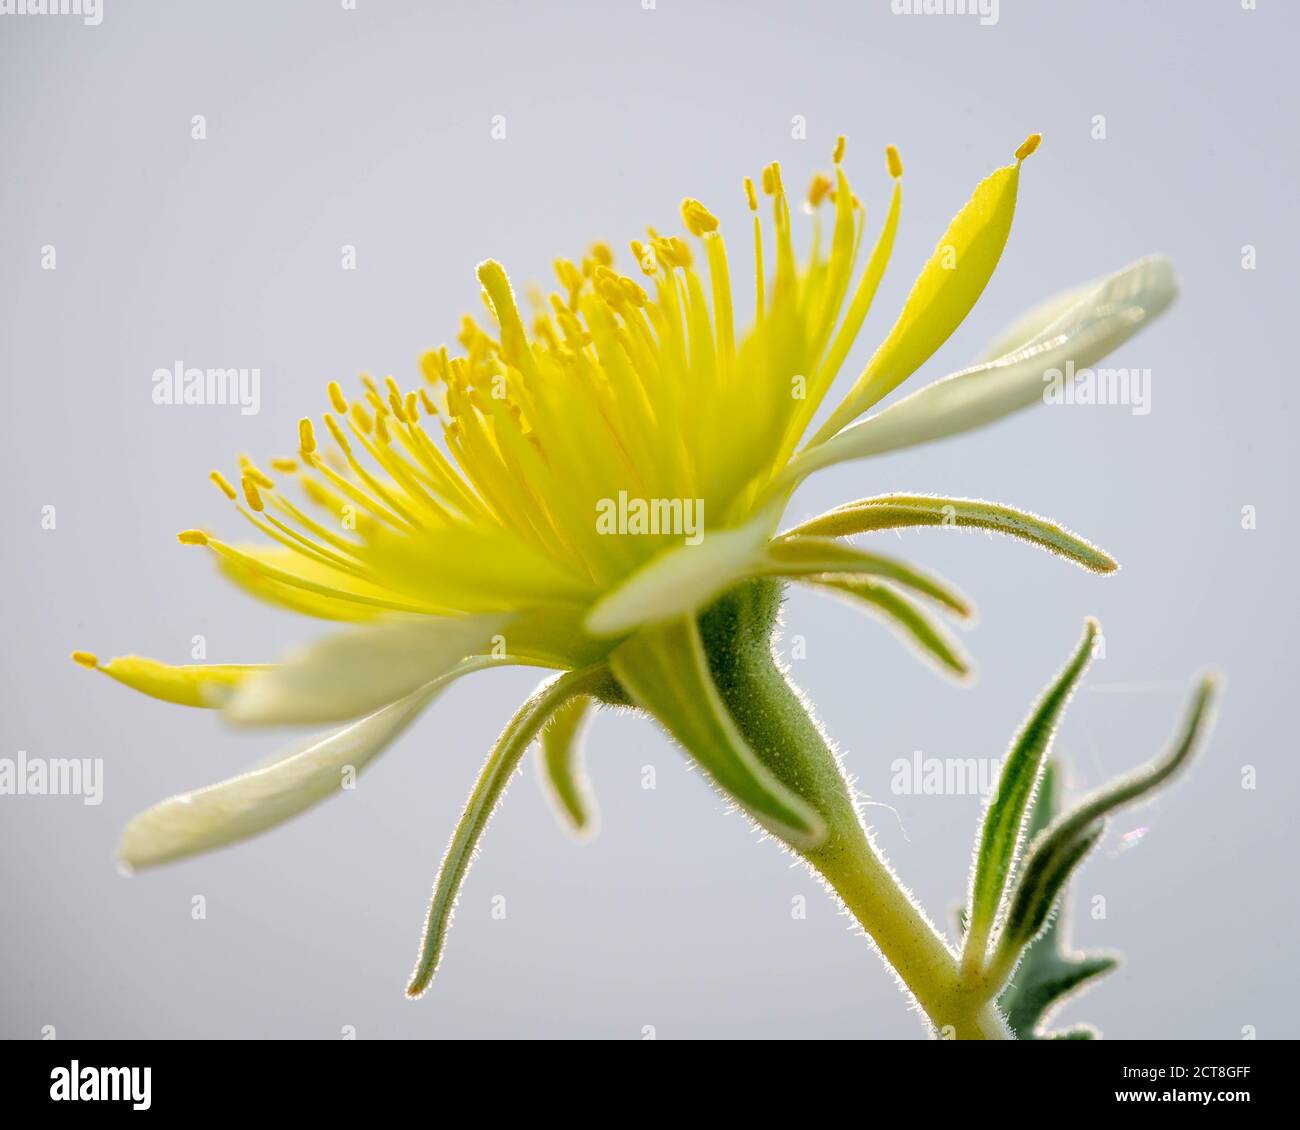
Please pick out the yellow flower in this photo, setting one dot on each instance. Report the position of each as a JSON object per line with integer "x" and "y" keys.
{"x": 575, "y": 485}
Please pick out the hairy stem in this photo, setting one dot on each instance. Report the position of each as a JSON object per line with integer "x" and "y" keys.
{"x": 779, "y": 727}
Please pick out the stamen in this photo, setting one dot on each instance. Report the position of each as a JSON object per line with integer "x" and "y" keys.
{"x": 251, "y": 495}
{"x": 337, "y": 399}
{"x": 284, "y": 463}
{"x": 894, "y": 161}
{"x": 192, "y": 537}
{"x": 1030, "y": 144}
{"x": 223, "y": 484}
{"x": 838, "y": 155}
{"x": 698, "y": 218}
{"x": 87, "y": 659}
{"x": 306, "y": 436}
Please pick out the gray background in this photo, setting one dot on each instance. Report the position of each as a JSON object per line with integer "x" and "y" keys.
{"x": 372, "y": 127}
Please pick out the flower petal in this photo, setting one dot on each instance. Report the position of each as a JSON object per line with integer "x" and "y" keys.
{"x": 206, "y": 685}
{"x": 269, "y": 794}
{"x": 360, "y": 669}
{"x": 944, "y": 292}
{"x": 1107, "y": 317}
{"x": 684, "y": 579}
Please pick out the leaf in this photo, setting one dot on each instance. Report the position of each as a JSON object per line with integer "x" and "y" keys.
{"x": 912, "y": 623}
{"x": 1004, "y": 819}
{"x": 492, "y": 780}
{"x": 809, "y": 556}
{"x": 891, "y": 511}
{"x": 1048, "y": 974}
{"x": 664, "y": 670}
{"x": 561, "y": 762}
{"x": 1056, "y": 851}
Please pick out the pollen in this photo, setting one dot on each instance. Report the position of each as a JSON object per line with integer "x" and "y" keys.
{"x": 192, "y": 537}
{"x": 894, "y": 161}
{"x": 337, "y": 399}
{"x": 87, "y": 659}
{"x": 838, "y": 155}
{"x": 306, "y": 436}
{"x": 698, "y": 218}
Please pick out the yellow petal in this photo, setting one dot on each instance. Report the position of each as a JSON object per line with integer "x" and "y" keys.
{"x": 207, "y": 685}
{"x": 943, "y": 293}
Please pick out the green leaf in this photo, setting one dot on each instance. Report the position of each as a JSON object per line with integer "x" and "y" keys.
{"x": 1004, "y": 819}
{"x": 1048, "y": 973}
{"x": 561, "y": 762}
{"x": 914, "y": 625}
{"x": 664, "y": 670}
{"x": 892, "y": 511}
{"x": 805, "y": 556}
{"x": 495, "y": 775}
{"x": 1060, "y": 847}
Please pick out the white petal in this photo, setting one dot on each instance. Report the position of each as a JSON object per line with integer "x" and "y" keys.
{"x": 269, "y": 794}
{"x": 684, "y": 579}
{"x": 360, "y": 669}
{"x": 1107, "y": 316}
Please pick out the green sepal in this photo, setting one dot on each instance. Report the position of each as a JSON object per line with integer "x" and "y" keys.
{"x": 664, "y": 670}
{"x": 560, "y": 759}
{"x": 492, "y": 780}
{"x": 925, "y": 635}
{"x": 892, "y": 511}
{"x": 796, "y": 557}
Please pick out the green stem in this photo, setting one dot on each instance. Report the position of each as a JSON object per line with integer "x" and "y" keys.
{"x": 776, "y": 722}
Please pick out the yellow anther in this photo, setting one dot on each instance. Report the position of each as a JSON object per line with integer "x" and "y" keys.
{"x": 894, "y": 161}
{"x": 360, "y": 417}
{"x": 86, "y": 659}
{"x": 337, "y": 433}
{"x": 429, "y": 406}
{"x": 838, "y": 155}
{"x": 818, "y": 190}
{"x": 697, "y": 217}
{"x": 381, "y": 427}
{"x": 609, "y": 290}
{"x": 569, "y": 275}
{"x": 645, "y": 257}
{"x": 751, "y": 197}
{"x": 772, "y": 180}
{"x": 251, "y": 471}
{"x": 337, "y": 398}
{"x": 1031, "y": 143}
{"x": 284, "y": 463}
{"x": 412, "y": 407}
{"x": 396, "y": 406}
{"x": 192, "y": 537}
{"x": 306, "y": 436}
{"x": 601, "y": 252}
{"x": 251, "y": 496}
{"x": 223, "y": 484}
{"x": 632, "y": 292}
